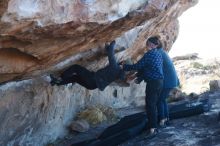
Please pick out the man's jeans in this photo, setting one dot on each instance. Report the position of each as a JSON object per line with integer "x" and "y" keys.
{"x": 163, "y": 110}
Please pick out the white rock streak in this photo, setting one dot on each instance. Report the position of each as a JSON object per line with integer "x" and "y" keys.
{"x": 62, "y": 11}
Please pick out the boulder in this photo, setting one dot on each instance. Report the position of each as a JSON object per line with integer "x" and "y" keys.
{"x": 80, "y": 126}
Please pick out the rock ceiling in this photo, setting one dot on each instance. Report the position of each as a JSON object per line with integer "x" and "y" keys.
{"x": 37, "y": 35}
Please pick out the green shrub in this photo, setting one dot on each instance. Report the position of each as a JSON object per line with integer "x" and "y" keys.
{"x": 197, "y": 65}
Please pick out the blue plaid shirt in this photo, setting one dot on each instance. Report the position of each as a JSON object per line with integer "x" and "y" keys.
{"x": 151, "y": 64}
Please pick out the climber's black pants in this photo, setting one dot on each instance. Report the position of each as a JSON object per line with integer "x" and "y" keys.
{"x": 80, "y": 75}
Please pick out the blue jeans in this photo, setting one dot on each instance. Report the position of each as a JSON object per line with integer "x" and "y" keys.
{"x": 162, "y": 107}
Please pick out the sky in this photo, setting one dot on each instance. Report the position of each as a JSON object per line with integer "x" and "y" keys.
{"x": 199, "y": 31}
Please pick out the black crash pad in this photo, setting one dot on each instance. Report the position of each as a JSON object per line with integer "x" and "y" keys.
{"x": 132, "y": 125}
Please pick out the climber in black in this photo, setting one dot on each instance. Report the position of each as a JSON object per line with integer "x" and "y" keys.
{"x": 89, "y": 79}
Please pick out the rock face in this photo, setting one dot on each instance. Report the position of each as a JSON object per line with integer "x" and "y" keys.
{"x": 38, "y": 37}
{"x": 34, "y": 113}
{"x": 35, "y": 35}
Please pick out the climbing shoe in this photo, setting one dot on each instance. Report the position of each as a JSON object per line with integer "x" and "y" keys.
{"x": 151, "y": 134}
{"x": 54, "y": 80}
{"x": 110, "y": 46}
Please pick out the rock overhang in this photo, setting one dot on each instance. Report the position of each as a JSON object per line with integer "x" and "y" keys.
{"x": 35, "y": 36}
